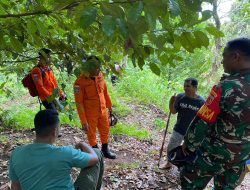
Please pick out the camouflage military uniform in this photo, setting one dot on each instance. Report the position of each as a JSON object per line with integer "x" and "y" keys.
{"x": 220, "y": 133}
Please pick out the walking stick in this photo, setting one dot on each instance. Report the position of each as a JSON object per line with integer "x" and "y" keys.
{"x": 163, "y": 142}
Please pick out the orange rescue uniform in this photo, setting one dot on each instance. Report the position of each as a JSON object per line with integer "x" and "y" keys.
{"x": 44, "y": 84}
{"x": 92, "y": 100}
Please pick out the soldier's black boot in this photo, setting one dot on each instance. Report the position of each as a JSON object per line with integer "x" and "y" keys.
{"x": 106, "y": 152}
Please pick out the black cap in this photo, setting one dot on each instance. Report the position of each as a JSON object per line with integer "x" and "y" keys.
{"x": 177, "y": 157}
{"x": 44, "y": 51}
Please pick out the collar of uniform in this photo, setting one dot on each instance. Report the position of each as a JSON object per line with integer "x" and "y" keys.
{"x": 90, "y": 78}
{"x": 45, "y": 68}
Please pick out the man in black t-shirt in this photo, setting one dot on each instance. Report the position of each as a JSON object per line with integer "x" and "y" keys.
{"x": 186, "y": 105}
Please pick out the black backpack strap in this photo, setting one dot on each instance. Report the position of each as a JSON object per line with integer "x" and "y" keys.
{"x": 40, "y": 102}
{"x": 42, "y": 70}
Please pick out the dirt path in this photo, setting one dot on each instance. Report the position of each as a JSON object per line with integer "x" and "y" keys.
{"x": 136, "y": 165}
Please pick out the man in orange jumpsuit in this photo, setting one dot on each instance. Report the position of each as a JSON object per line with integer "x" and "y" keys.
{"x": 92, "y": 100}
{"x": 45, "y": 80}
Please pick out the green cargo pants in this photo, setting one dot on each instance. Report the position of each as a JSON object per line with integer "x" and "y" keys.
{"x": 196, "y": 176}
{"x": 91, "y": 178}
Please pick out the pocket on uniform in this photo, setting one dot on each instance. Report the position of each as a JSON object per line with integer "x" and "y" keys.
{"x": 91, "y": 92}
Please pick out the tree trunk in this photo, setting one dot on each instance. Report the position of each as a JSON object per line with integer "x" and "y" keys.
{"x": 218, "y": 46}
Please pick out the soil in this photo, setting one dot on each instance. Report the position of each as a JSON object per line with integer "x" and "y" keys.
{"x": 136, "y": 163}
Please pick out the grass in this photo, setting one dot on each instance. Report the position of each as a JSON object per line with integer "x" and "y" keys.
{"x": 160, "y": 123}
{"x": 24, "y": 118}
{"x": 130, "y": 130}
{"x": 119, "y": 107}
{"x": 143, "y": 87}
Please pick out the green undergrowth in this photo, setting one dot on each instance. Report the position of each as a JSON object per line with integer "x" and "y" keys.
{"x": 119, "y": 107}
{"x": 130, "y": 130}
{"x": 161, "y": 124}
{"x": 23, "y": 118}
{"x": 143, "y": 87}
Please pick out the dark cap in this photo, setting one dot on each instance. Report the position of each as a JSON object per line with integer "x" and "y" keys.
{"x": 44, "y": 51}
{"x": 177, "y": 157}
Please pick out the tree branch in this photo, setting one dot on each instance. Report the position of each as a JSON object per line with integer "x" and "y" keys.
{"x": 26, "y": 14}
{"x": 20, "y": 61}
{"x": 124, "y": 2}
{"x": 119, "y": 2}
{"x": 45, "y": 12}
{"x": 29, "y": 58}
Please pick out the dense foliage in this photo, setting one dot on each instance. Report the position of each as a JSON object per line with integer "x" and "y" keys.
{"x": 141, "y": 29}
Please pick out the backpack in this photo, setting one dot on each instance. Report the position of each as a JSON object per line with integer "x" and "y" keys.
{"x": 29, "y": 83}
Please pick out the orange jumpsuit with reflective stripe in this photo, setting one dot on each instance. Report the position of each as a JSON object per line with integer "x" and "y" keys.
{"x": 44, "y": 84}
{"x": 92, "y": 100}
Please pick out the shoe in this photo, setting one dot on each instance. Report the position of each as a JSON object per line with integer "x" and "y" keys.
{"x": 106, "y": 152}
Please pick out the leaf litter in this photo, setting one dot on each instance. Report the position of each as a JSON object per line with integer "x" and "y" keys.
{"x": 136, "y": 163}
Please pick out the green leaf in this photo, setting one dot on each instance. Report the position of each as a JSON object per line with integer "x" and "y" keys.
{"x": 207, "y": 14}
{"x": 2, "y": 41}
{"x": 187, "y": 41}
{"x": 147, "y": 49}
{"x": 135, "y": 12}
{"x": 151, "y": 21}
{"x": 141, "y": 62}
{"x": 108, "y": 25}
{"x": 16, "y": 45}
{"x": 107, "y": 58}
{"x": 41, "y": 26}
{"x": 174, "y": 7}
{"x": 31, "y": 26}
{"x": 214, "y": 31}
{"x": 88, "y": 17}
{"x": 134, "y": 59}
{"x": 141, "y": 26}
{"x": 164, "y": 59}
{"x": 201, "y": 39}
{"x": 160, "y": 41}
{"x": 112, "y": 10}
{"x": 37, "y": 40}
{"x": 155, "y": 69}
{"x": 77, "y": 72}
{"x": 123, "y": 27}
{"x": 156, "y": 8}
{"x": 2, "y": 10}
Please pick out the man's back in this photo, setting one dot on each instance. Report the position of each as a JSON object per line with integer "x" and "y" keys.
{"x": 45, "y": 81}
{"x": 43, "y": 166}
{"x": 231, "y": 136}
